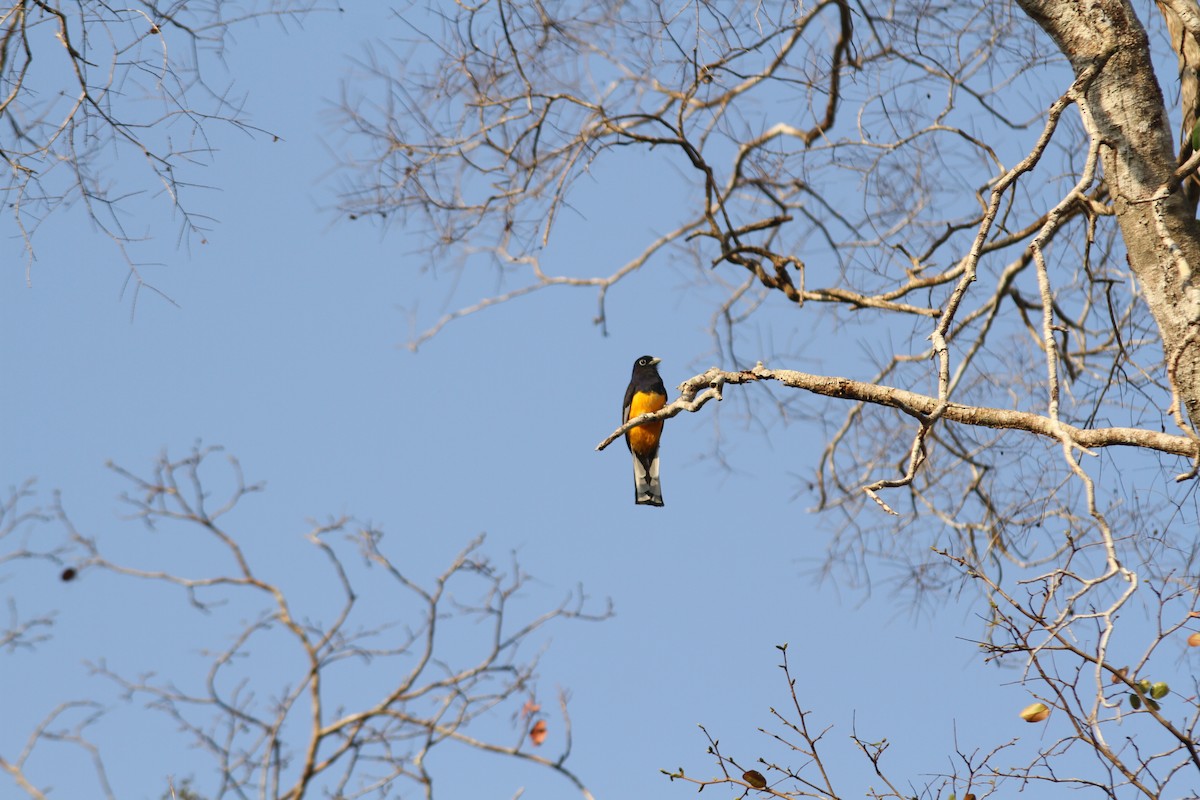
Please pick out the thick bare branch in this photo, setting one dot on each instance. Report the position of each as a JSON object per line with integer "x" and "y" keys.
{"x": 697, "y": 391}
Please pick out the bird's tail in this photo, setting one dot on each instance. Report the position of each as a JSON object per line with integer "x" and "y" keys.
{"x": 647, "y": 487}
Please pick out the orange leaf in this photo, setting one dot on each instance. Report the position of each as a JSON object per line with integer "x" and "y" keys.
{"x": 537, "y": 734}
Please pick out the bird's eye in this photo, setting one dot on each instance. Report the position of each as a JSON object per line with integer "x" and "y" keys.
{"x": 643, "y": 361}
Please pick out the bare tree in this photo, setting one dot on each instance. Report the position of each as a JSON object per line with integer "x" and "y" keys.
{"x": 16, "y": 516}
{"x": 279, "y": 705}
{"x": 994, "y": 190}
{"x": 86, "y": 83}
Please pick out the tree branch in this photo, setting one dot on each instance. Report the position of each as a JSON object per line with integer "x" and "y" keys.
{"x": 697, "y": 391}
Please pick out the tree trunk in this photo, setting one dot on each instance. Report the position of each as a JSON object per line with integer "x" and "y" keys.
{"x": 1123, "y": 107}
{"x": 1183, "y": 26}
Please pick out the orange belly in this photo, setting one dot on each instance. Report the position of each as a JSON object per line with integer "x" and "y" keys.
{"x": 644, "y": 438}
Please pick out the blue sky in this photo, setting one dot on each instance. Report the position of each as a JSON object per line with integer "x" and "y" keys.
{"x": 286, "y": 348}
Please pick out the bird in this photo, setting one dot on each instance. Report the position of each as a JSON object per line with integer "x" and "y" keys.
{"x": 646, "y": 393}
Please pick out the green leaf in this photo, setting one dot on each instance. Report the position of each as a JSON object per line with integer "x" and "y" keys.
{"x": 1160, "y": 690}
{"x": 1195, "y": 137}
{"x": 1135, "y": 701}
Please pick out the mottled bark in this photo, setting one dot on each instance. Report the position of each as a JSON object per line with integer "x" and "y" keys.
{"x": 1123, "y": 108}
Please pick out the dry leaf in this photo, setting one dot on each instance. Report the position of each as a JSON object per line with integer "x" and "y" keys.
{"x": 537, "y": 734}
{"x": 755, "y": 779}
{"x": 1035, "y": 712}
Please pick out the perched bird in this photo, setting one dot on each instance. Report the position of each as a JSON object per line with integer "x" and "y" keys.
{"x": 646, "y": 393}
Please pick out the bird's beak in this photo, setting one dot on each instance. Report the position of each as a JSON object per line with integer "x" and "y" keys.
{"x": 654, "y": 361}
